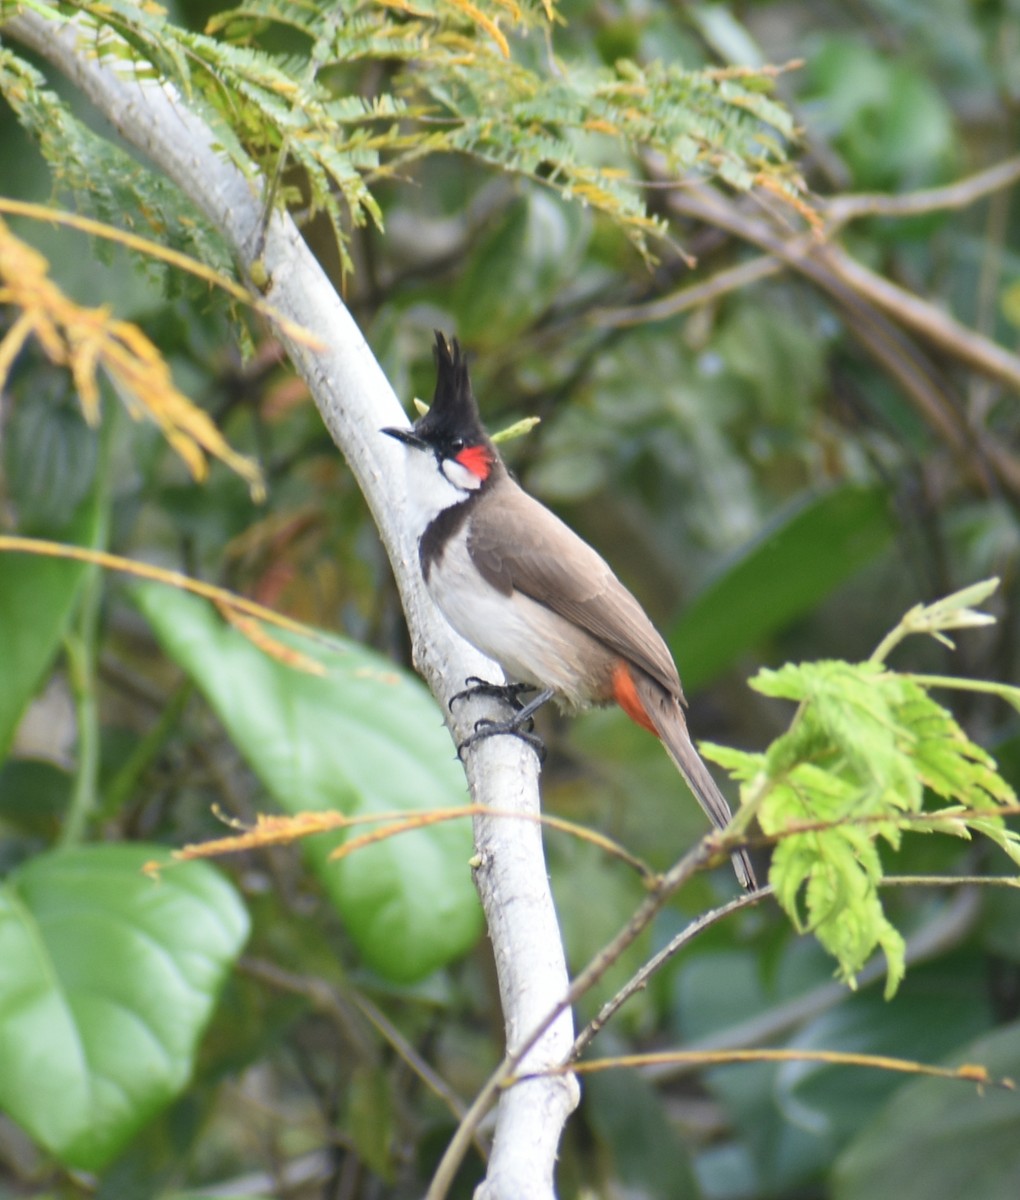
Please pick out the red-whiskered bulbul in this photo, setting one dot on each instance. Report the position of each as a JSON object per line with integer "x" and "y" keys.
{"x": 523, "y": 588}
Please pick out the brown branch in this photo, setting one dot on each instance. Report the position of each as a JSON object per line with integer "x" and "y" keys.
{"x": 868, "y": 301}
{"x": 925, "y": 318}
{"x": 964, "y": 192}
{"x": 692, "y": 296}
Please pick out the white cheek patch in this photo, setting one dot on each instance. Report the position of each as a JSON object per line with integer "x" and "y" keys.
{"x": 428, "y": 489}
{"x": 460, "y": 476}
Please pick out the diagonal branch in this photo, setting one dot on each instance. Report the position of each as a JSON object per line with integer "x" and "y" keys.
{"x": 960, "y": 194}
{"x": 355, "y": 401}
{"x": 877, "y": 311}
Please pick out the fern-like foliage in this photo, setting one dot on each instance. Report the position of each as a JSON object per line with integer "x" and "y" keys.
{"x": 102, "y": 179}
{"x": 866, "y": 748}
{"x": 473, "y": 77}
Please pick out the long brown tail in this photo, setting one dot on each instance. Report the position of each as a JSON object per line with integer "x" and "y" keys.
{"x": 667, "y": 716}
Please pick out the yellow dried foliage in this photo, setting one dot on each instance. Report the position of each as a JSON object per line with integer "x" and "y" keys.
{"x": 270, "y": 646}
{"x": 483, "y": 21}
{"x": 276, "y": 830}
{"x": 86, "y": 340}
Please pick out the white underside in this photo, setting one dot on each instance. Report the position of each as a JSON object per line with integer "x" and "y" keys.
{"x": 503, "y": 627}
{"x": 508, "y": 627}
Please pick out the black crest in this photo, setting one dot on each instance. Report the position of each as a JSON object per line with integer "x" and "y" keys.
{"x": 453, "y": 416}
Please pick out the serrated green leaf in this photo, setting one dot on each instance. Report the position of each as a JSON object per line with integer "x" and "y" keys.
{"x": 1005, "y": 839}
{"x": 365, "y": 738}
{"x": 789, "y": 682}
{"x": 108, "y": 980}
{"x": 740, "y": 764}
{"x": 864, "y": 744}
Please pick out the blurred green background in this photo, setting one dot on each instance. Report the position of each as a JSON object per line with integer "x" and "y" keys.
{"x": 759, "y": 473}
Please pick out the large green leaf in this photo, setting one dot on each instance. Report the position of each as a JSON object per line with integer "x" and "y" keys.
{"x": 50, "y": 465}
{"x": 937, "y": 1140}
{"x": 107, "y": 979}
{"x": 363, "y": 738}
{"x": 36, "y": 599}
{"x": 780, "y": 576}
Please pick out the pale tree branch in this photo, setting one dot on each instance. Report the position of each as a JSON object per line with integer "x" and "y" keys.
{"x": 960, "y": 194}
{"x": 356, "y": 401}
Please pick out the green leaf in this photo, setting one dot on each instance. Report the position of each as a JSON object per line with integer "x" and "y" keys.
{"x": 364, "y": 738}
{"x": 951, "y": 612}
{"x": 108, "y": 980}
{"x": 740, "y": 764}
{"x": 850, "y": 710}
{"x": 938, "y": 1141}
{"x": 37, "y": 596}
{"x": 649, "y": 1157}
{"x": 793, "y": 565}
{"x": 865, "y": 743}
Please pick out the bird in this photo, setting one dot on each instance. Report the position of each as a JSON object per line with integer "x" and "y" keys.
{"x": 523, "y": 588}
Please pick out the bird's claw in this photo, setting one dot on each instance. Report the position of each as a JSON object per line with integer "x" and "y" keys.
{"x": 486, "y": 728}
{"x": 510, "y": 693}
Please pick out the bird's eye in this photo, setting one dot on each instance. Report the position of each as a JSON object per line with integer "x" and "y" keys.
{"x": 456, "y": 446}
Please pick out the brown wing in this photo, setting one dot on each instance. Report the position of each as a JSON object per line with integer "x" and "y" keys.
{"x": 550, "y": 563}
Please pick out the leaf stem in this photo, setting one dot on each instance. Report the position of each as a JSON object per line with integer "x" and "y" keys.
{"x": 120, "y": 787}
{"x": 1005, "y": 691}
{"x": 80, "y": 647}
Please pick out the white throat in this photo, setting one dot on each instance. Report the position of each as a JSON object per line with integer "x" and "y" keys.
{"x": 431, "y": 490}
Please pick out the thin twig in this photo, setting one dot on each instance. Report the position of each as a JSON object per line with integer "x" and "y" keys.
{"x": 964, "y": 192}
{"x": 692, "y": 296}
{"x": 323, "y": 998}
{"x": 640, "y": 978}
{"x": 337, "y": 1006}
{"x": 966, "y": 1073}
{"x": 424, "y": 1070}
{"x": 946, "y": 930}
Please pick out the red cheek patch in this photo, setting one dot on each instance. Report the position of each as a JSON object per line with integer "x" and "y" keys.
{"x": 477, "y": 459}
